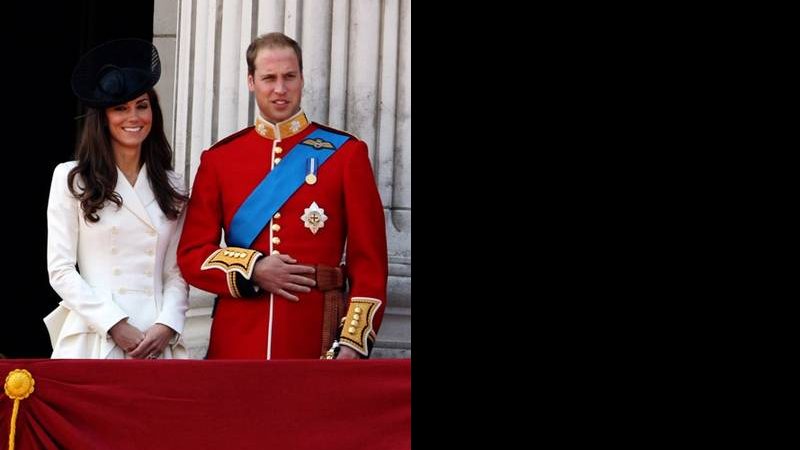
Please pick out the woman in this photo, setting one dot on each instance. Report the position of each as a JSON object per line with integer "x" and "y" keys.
{"x": 115, "y": 212}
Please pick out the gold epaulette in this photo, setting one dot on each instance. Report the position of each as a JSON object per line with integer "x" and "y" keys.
{"x": 357, "y": 331}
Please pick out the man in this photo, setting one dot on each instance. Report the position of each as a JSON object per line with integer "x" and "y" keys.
{"x": 288, "y": 194}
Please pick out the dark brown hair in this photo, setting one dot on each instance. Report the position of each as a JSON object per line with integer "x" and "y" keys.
{"x": 272, "y": 40}
{"x": 98, "y": 169}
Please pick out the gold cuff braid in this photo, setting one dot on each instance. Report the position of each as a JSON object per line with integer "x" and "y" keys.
{"x": 232, "y": 259}
{"x": 357, "y": 330}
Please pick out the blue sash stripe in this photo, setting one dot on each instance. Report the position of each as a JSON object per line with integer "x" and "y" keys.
{"x": 273, "y": 191}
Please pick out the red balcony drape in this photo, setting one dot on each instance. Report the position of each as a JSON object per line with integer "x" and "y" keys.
{"x": 175, "y": 405}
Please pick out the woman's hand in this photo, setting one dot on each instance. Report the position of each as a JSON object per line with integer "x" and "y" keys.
{"x": 156, "y": 339}
{"x": 126, "y": 336}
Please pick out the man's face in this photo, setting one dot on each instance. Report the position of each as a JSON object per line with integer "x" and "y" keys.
{"x": 277, "y": 83}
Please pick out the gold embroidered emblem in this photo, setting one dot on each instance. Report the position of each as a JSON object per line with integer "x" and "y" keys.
{"x": 318, "y": 143}
{"x": 314, "y": 217}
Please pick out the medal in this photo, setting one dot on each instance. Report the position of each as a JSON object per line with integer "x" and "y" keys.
{"x": 311, "y": 170}
{"x": 314, "y": 217}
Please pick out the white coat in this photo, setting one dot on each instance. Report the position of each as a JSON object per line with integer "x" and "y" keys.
{"x": 126, "y": 267}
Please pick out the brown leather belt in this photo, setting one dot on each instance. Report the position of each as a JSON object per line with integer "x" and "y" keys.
{"x": 330, "y": 280}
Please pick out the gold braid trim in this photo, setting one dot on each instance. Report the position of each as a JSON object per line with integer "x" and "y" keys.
{"x": 19, "y": 385}
{"x": 232, "y": 259}
{"x": 232, "y": 285}
{"x": 357, "y": 330}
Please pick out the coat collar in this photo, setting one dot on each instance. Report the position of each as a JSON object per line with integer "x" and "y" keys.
{"x": 137, "y": 198}
{"x": 283, "y": 130}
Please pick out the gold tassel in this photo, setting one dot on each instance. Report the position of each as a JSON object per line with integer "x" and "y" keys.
{"x": 19, "y": 385}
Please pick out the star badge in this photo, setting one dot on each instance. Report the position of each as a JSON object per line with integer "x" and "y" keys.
{"x": 314, "y": 217}
{"x": 295, "y": 125}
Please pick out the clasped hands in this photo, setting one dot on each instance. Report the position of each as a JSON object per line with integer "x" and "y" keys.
{"x": 141, "y": 345}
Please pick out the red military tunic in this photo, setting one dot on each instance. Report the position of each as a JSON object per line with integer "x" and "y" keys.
{"x": 265, "y": 325}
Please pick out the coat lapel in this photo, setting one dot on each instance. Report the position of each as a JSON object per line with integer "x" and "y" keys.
{"x": 136, "y": 199}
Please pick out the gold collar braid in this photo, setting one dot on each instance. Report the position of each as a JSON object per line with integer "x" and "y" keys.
{"x": 283, "y": 130}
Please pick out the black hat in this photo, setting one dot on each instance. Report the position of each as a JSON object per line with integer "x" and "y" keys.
{"x": 116, "y": 72}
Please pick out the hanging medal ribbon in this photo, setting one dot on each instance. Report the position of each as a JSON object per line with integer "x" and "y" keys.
{"x": 311, "y": 170}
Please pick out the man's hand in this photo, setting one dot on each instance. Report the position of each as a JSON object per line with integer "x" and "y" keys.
{"x": 346, "y": 352}
{"x": 126, "y": 336}
{"x": 279, "y": 274}
{"x": 155, "y": 340}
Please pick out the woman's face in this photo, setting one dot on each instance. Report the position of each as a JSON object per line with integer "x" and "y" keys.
{"x": 130, "y": 123}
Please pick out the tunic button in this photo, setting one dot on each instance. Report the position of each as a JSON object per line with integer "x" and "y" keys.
{"x": 276, "y": 240}
{"x": 277, "y": 160}
{"x": 276, "y": 227}
{"x": 277, "y": 215}
{"x": 275, "y": 252}
{"x": 278, "y": 150}
{"x": 351, "y": 330}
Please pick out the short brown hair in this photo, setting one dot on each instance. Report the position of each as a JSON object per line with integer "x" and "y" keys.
{"x": 271, "y": 40}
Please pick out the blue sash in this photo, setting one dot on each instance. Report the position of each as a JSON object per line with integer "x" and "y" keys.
{"x": 273, "y": 191}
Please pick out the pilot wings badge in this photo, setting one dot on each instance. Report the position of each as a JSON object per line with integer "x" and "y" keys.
{"x": 318, "y": 143}
{"x": 314, "y": 217}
